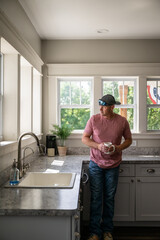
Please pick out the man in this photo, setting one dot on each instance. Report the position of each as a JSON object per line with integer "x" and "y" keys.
{"x": 104, "y": 168}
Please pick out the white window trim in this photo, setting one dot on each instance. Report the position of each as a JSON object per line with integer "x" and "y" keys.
{"x": 151, "y": 105}
{"x": 59, "y": 106}
{"x": 1, "y": 96}
{"x": 140, "y": 70}
{"x": 134, "y": 106}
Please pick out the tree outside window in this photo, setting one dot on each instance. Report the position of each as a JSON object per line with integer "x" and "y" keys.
{"x": 75, "y": 99}
{"x": 124, "y": 90}
{"x": 153, "y": 104}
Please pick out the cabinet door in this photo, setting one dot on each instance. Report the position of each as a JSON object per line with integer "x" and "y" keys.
{"x": 125, "y": 199}
{"x": 148, "y": 199}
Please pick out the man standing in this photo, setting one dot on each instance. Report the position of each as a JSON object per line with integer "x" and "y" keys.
{"x": 104, "y": 168}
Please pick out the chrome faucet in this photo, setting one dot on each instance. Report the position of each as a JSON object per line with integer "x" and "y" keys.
{"x": 20, "y": 162}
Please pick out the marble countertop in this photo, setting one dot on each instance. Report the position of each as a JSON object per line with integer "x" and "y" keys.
{"x": 53, "y": 202}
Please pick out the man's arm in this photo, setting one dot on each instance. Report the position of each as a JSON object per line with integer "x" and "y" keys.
{"x": 89, "y": 142}
{"x": 124, "y": 145}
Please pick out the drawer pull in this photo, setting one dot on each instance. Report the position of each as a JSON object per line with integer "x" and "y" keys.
{"x": 85, "y": 175}
{"x": 76, "y": 217}
{"x": 121, "y": 170}
{"x": 77, "y": 234}
{"x": 150, "y": 170}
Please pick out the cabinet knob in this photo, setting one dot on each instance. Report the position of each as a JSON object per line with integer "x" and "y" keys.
{"x": 138, "y": 180}
{"x": 151, "y": 170}
{"x": 76, "y": 217}
{"x": 80, "y": 208}
{"x": 121, "y": 170}
{"x": 132, "y": 180}
{"x": 77, "y": 234}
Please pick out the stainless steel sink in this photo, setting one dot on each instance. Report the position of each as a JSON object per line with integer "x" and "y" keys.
{"x": 47, "y": 180}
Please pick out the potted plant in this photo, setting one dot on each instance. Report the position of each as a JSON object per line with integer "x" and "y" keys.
{"x": 62, "y": 133}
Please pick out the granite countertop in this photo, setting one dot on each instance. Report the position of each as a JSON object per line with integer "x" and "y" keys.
{"x": 53, "y": 202}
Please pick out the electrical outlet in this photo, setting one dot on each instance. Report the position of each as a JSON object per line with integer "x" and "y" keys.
{"x": 134, "y": 143}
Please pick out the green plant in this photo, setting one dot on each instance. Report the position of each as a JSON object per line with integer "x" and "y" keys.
{"x": 61, "y": 132}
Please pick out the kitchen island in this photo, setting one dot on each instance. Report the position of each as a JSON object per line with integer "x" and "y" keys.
{"x": 54, "y": 213}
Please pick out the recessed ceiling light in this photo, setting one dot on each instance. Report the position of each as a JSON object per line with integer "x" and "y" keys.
{"x": 103, "y": 30}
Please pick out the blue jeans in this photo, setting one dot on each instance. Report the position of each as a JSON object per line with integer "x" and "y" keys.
{"x": 103, "y": 184}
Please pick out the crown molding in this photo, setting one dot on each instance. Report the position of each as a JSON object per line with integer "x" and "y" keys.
{"x": 9, "y": 32}
{"x": 103, "y": 69}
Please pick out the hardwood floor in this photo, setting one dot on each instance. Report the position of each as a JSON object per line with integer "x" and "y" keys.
{"x": 130, "y": 233}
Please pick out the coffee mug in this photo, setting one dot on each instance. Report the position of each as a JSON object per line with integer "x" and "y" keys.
{"x": 109, "y": 144}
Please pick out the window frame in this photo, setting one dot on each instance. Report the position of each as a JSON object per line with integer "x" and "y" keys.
{"x": 1, "y": 96}
{"x": 134, "y": 105}
{"x": 151, "y": 105}
{"x": 59, "y": 106}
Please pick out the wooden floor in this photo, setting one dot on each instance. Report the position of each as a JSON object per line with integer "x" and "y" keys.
{"x": 130, "y": 233}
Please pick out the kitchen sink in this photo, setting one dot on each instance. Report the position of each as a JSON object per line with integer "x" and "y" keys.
{"x": 47, "y": 180}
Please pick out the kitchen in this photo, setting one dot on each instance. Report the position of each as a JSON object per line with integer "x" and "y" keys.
{"x": 96, "y": 58}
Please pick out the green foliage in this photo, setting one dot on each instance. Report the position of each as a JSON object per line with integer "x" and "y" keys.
{"x": 153, "y": 119}
{"x": 76, "y": 117}
{"x": 78, "y": 94}
{"x": 62, "y": 132}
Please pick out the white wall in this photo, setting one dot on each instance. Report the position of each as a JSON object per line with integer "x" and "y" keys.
{"x": 101, "y": 51}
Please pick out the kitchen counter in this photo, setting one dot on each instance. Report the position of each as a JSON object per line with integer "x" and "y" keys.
{"x": 53, "y": 202}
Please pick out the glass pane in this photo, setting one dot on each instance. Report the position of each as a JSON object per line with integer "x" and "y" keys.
{"x": 108, "y": 87}
{"x": 118, "y": 91}
{"x": 128, "y": 113}
{"x": 75, "y": 117}
{"x": 25, "y": 99}
{"x": 129, "y": 91}
{"x": 153, "y": 92}
{"x": 64, "y": 93}
{"x": 153, "y": 119}
{"x": 36, "y": 104}
{"x": 75, "y": 93}
{"x": 85, "y": 92}
{"x": 126, "y": 92}
{"x": 123, "y": 91}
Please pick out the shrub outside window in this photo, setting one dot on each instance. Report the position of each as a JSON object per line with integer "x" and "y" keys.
{"x": 75, "y": 100}
{"x": 124, "y": 91}
{"x": 153, "y": 104}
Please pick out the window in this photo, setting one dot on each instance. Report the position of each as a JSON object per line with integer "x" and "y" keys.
{"x": 75, "y": 101}
{"x": 124, "y": 90}
{"x": 25, "y": 96}
{"x": 153, "y": 104}
{"x": 1, "y": 93}
{"x": 36, "y": 102}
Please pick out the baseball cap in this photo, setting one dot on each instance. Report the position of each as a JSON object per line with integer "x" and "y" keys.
{"x": 108, "y": 100}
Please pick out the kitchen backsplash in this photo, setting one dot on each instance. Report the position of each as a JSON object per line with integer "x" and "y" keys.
{"x": 8, "y": 159}
{"x": 130, "y": 150}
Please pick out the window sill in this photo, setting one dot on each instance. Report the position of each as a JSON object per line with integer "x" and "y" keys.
{"x": 135, "y": 136}
{"x": 7, "y": 147}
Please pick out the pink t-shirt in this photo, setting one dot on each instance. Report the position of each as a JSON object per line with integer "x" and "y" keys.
{"x": 107, "y": 130}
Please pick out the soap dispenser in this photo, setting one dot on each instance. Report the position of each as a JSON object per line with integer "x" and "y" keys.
{"x": 14, "y": 174}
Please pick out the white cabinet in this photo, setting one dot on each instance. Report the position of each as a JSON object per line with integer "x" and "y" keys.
{"x": 148, "y": 192}
{"x": 40, "y": 227}
{"x": 138, "y": 193}
{"x": 125, "y": 199}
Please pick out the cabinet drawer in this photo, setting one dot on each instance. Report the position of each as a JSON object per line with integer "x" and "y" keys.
{"x": 127, "y": 170}
{"x": 148, "y": 170}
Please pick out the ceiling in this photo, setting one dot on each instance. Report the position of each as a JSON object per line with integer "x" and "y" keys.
{"x": 94, "y": 19}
